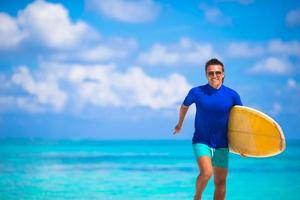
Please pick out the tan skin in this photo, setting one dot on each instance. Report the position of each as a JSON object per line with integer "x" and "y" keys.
{"x": 204, "y": 163}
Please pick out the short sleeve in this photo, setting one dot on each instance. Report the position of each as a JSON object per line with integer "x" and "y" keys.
{"x": 237, "y": 99}
{"x": 189, "y": 99}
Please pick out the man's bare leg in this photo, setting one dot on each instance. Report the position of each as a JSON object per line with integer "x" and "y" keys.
{"x": 205, "y": 167}
{"x": 220, "y": 175}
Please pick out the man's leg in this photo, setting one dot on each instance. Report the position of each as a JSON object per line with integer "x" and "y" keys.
{"x": 205, "y": 167}
{"x": 220, "y": 175}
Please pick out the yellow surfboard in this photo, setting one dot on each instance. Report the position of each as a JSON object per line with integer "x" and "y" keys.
{"x": 253, "y": 133}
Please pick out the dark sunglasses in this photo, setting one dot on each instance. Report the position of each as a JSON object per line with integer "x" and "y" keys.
{"x": 212, "y": 73}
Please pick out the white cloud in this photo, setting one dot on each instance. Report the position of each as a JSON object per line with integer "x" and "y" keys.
{"x": 50, "y": 23}
{"x": 93, "y": 84}
{"x": 105, "y": 86}
{"x": 46, "y": 90}
{"x": 100, "y": 53}
{"x": 44, "y": 24}
{"x": 134, "y": 11}
{"x": 291, "y": 48}
{"x": 271, "y": 65}
{"x": 276, "y": 57}
{"x": 293, "y": 18}
{"x": 140, "y": 89}
{"x": 49, "y": 26}
{"x": 276, "y": 109}
{"x": 116, "y": 48}
{"x": 159, "y": 55}
{"x": 273, "y": 47}
{"x": 243, "y": 2}
{"x": 97, "y": 85}
{"x": 185, "y": 51}
{"x": 214, "y": 15}
{"x": 29, "y": 104}
{"x": 244, "y": 50}
{"x": 291, "y": 83}
{"x": 10, "y": 33}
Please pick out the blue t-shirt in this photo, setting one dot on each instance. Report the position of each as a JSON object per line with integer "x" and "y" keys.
{"x": 212, "y": 113}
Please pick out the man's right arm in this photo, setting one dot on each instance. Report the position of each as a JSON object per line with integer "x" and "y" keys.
{"x": 182, "y": 112}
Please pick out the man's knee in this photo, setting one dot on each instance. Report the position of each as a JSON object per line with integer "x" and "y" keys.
{"x": 206, "y": 175}
{"x": 220, "y": 183}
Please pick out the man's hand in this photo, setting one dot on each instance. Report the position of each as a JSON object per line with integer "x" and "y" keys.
{"x": 243, "y": 155}
{"x": 182, "y": 113}
{"x": 177, "y": 129}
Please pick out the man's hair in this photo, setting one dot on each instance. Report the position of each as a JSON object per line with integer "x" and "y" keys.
{"x": 213, "y": 61}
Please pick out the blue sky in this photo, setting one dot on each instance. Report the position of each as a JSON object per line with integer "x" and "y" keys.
{"x": 120, "y": 69}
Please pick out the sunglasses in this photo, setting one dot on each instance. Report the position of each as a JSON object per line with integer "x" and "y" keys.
{"x": 212, "y": 73}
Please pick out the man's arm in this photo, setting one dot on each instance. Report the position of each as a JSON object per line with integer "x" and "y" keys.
{"x": 182, "y": 113}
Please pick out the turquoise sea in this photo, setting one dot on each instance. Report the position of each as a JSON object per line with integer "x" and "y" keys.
{"x": 118, "y": 170}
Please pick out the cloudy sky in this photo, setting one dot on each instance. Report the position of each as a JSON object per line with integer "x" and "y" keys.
{"x": 120, "y": 69}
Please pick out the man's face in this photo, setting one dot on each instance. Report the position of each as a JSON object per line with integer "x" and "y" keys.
{"x": 214, "y": 75}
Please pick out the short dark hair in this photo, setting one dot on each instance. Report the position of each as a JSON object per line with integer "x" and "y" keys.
{"x": 213, "y": 61}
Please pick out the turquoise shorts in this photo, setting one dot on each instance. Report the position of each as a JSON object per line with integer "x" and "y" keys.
{"x": 218, "y": 156}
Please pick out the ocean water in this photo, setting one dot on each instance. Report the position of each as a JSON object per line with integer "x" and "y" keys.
{"x": 118, "y": 170}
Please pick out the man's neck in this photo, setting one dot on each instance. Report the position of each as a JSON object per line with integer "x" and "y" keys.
{"x": 216, "y": 87}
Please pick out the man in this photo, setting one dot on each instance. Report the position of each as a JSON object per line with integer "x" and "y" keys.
{"x": 210, "y": 144}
